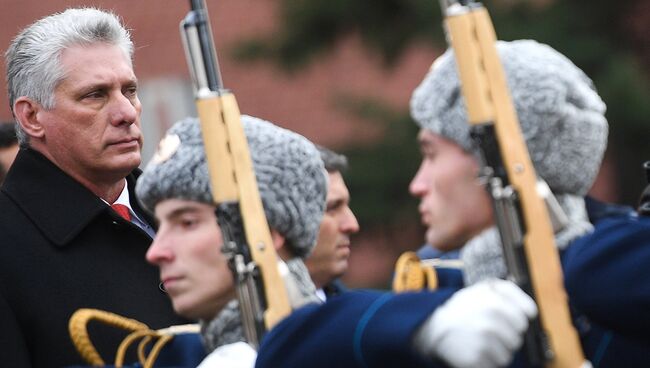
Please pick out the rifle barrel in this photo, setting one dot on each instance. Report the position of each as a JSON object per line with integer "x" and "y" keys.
{"x": 200, "y": 50}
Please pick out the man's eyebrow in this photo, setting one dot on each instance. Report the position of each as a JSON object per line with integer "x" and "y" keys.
{"x": 131, "y": 82}
{"x": 101, "y": 84}
{"x": 92, "y": 86}
{"x": 336, "y": 200}
{"x": 179, "y": 212}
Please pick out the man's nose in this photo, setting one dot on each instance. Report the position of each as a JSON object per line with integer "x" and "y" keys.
{"x": 349, "y": 225}
{"x": 418, "y": 186}
{"x": 158, "y": 252}
{"x": 124, "y": 110}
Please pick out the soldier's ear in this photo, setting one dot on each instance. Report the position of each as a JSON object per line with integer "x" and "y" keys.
{"x": 279, "y": 242}
{"x": 26, "y": 112}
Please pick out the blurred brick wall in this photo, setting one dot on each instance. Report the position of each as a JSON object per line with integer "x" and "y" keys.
{"x": 302, "y": 101}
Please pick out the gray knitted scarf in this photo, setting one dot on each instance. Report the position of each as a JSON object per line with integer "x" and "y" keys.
{"x": 482, "y": 256}
{"x": 226, "y": 327}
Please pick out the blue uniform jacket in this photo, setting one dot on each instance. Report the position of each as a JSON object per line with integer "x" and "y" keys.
{"x": 606, "y": 278}
{"x": 354, "y": 329}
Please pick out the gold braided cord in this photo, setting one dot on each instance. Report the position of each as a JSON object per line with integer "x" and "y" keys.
{"x": 153, "y": 355}
{"x": 431, "y": 276}
{"x": 78, "y": 328}
{"x": 142, "y": 356}
{"x": 126, "y": 343}
{"x": 412, "y": 275}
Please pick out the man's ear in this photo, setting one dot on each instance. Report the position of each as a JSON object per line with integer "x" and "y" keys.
{"x": 279, "y": 242}
{"x": 26, "y": 113}
{"x": 278, "y": 239}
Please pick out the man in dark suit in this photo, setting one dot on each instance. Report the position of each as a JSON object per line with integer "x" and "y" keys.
{"x": 329, "y": 259}
{"x": 74, "y": 96}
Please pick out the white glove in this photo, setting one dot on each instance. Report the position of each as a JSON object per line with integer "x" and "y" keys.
{"x": 237, "y": 355}
{"x": 479, "y": 326}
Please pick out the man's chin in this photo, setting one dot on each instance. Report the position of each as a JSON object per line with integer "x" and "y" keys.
{"x": 129, "y": 162}
{"x": 443, "y": 244}
{"x": 338, "y": 267}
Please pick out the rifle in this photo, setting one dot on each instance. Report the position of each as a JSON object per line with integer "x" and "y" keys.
{"x": 520, "y": 213}
{"x": 262, "y": 294}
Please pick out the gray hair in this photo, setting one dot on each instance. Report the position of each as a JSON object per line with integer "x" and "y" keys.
{"x": 333, "y": 161}
{"x": 562, "y": 117}
{"x": 33, "y": 58}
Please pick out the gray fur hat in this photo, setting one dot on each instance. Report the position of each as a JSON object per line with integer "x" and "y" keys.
{"x": 561, "y": 115}
{"x": 290, "y": 175}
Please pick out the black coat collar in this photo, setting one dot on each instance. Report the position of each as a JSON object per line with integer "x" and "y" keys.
{"x": 59, "y": 206}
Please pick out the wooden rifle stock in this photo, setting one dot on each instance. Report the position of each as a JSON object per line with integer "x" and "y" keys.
{"x": 487, "y": 99}
{"x": 229, "y": 162}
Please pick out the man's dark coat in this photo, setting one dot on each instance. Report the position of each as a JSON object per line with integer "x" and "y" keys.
{"x": 62, "y": 248}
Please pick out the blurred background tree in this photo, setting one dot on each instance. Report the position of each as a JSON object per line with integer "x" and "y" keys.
{"x": 384, "y": 46}
{"x": 608, "y": 40}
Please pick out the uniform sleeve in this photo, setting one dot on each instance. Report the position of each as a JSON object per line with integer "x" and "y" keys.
{"x": 607, "y": 275}
{"x": 355, "y": 329}
{"x": 13, "y": 349}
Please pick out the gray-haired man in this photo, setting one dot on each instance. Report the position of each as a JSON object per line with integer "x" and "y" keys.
{"x": 73, "y": 94}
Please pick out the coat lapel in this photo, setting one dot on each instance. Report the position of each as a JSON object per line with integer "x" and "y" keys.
{"x": 59, "y": 206}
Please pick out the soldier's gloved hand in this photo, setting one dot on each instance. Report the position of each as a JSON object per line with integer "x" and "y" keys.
{"x": 479, "y": 326}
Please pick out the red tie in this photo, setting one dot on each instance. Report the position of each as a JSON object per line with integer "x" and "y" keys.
{"x": 122, "y": 210}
